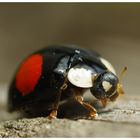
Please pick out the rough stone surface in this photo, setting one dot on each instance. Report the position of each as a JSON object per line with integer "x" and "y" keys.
{"x": 120, "y": 120}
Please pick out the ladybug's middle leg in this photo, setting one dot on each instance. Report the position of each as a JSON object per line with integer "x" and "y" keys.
{"x": 53, "y": 114}
{"x": 79, "y": 98}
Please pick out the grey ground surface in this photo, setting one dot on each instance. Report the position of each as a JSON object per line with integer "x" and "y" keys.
{"x": 120, "y": 120}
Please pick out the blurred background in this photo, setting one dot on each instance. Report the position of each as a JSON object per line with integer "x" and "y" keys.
{"x": 112, "y": 29}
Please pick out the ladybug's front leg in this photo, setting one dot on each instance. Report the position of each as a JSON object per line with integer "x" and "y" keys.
{"x": 53, "y": 114}
{"x": 114, "y": 97}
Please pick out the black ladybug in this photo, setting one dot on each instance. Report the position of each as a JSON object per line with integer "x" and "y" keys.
{"x": 58, "y": 73}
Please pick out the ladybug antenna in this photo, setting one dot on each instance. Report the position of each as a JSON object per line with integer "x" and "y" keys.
{"x": 119, "y": 86}
{"x": 122, "y": 74}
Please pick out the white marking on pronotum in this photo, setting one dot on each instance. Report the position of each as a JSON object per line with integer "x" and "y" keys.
{"x": 106, "y": 85}
{"x": 80, "y": 77}
{"x": 108, "y": 65}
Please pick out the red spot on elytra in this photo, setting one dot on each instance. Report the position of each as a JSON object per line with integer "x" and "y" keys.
{"x": 29, "y": 73}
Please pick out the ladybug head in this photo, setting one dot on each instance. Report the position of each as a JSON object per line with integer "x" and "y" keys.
{"x": 104, "y": 85}
{"x": 107, "y": 84}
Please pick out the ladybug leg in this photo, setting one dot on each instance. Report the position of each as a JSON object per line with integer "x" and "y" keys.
{"x": 104, "y": 102}
{"x": 53, "y": 114}
{"x": 92, "y": 110}
{"x": 114, "y": 97}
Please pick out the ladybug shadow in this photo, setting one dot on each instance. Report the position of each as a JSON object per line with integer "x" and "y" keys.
{"x": 72, "y": 110}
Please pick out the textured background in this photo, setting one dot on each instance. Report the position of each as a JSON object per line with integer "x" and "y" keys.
{"x": 111, "y": 29}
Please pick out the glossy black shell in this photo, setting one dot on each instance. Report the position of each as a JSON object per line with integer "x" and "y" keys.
{"x": 57, "y": 60}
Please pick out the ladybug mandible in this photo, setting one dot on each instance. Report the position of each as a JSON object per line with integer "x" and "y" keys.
{"x": 58, "y": 73}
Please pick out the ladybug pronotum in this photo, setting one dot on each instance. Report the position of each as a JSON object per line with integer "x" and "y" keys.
{"x": 57, "y": 73}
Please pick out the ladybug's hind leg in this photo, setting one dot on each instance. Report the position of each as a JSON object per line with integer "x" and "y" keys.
{"x": 79, "y": 99}
{"x": 53, "y": 114}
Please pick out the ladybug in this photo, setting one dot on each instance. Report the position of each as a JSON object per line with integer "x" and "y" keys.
{"x": 58, "y": 73}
